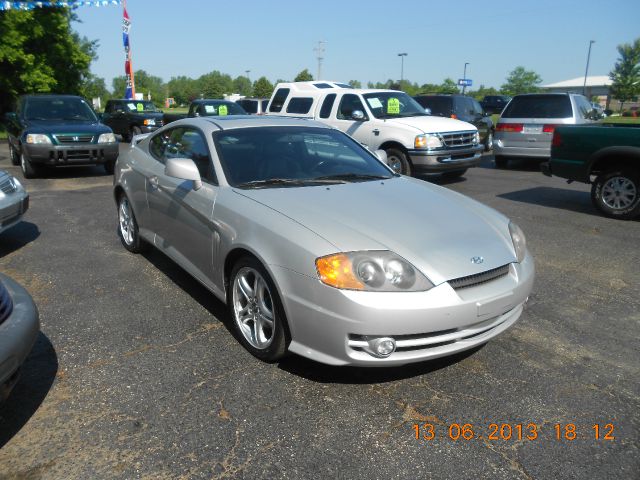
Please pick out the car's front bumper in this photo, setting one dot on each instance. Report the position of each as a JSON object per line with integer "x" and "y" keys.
{"x": 81, "y": 154}
{"x": 12, "y": 207}
{"x": 18, "y": 333}
{"x": 433, "y": 161}
{"x": 331, "y": 326}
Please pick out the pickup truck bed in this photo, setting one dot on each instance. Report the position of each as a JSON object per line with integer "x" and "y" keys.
{"x": 607, "y": 157}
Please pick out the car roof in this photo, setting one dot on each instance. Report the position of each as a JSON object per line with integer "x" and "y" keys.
{"x": 229, "y": 122}
{"x": 51, "y": 95}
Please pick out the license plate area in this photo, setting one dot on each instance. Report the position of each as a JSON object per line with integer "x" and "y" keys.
{"x": 535, "y": 128}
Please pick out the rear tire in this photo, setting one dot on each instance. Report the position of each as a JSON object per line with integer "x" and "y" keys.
{"x": 398, "y": 162}
{"x": 256, "y": 311}
{"x": 500, "y": 161}
{"x": 616, "y": 193}
{"x": 135, "y": 130}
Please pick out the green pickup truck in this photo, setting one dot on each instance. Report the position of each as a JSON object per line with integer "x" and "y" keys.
{"x": 607, "y": 157}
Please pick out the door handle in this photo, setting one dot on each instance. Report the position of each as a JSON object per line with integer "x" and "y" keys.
{"x": 154, "y": 182}
{"x": 376, "y": 132}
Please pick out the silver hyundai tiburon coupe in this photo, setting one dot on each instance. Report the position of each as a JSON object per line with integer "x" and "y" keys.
{"x": 316, "y": 246}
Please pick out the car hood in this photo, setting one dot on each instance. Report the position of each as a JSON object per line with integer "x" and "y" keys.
{"x": 435, "y": 229}
{"x": 432, "y": 124}
{"x": 66, "y": 126}
{"x": 154, "y": 115}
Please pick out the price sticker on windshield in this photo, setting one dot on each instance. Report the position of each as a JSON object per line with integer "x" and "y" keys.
{"x": 222, "y": 110}
{"x": 393, "y": 106}
{"x": 140, "y": 107}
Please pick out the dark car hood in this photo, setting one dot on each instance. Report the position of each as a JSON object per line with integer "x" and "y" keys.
{"x": 65, "y": 126}
{"x": 154, "y": 115}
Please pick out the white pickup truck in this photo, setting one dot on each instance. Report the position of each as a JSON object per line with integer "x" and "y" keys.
{"x": 389, "y": 120}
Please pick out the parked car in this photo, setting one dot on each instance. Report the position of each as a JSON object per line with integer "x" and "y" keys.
{"x": 463, "y": 108}
{"x": 316, "y": 246}
{"x": 384, "y": 119}
{"x": 131, "y": 117}
{"x": 494, "y": 103}
{"x": 254, "y": 106}
{"x": 14, "y": 200}
{"x": 526, "y": 125}
{"x": 608, "y": 154}
{"x": 207, "y": 108}
{"x": 58, "y": 130}
{"x": 19, "y": 327}
{"x": 598, "y": 110}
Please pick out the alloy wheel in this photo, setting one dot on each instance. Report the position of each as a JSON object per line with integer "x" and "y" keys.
{"x": 619, "y": 193}
{"x": 253, "y": 308}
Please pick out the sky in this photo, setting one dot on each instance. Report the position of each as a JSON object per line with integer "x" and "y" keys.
{"x": 277, "y": 38}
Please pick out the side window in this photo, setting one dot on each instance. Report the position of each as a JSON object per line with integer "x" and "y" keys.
{"x": 584, "y": 107}
{"x": 476, "y": 107}
{"x": 279, "y": 99}
{"x": 327, "y": 105}
{"x": 348, "y": 105}
{"x": 299, "y": 105}
{"x": 184, "y": 142}
{"x": 264, "y": 106}
{"x": 157, "y": 145}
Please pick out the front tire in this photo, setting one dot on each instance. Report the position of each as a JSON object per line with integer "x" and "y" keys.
{"x": 128, "y": 227}
{"x": 29, "y": 170}
{"x": 15, "y": 158}
{"x": 398, "y": 161}
{"x": 488, "y": 142}
{"x": 616, "y": 193}
{"x": 109, "y": 166}
{"x": 135, "y": 130}
{"x": 256, "y": 310}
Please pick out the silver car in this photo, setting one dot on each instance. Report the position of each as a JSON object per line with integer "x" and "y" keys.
{"x": 526, "y": 125}
{"x": 316, "y": 246}
{"x": 14, "y": 200}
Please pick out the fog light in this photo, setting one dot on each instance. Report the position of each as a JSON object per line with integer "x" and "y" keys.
{"x": 382, "y": 347}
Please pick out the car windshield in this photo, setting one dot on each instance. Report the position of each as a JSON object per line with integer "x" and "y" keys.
{"x": 141, "y": 106}
{"x": 539, "y": 106}
{"x": 441, "y": 106}
{"x": 393, "y": 105}
{"x": 220, "y": 108}
{"x": 272, "y": 157}
{"x": 59, "y": 109}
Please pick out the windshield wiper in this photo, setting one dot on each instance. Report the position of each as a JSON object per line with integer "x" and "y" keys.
{"x": 353, "y": 177}
{"x": 287, "y": 182}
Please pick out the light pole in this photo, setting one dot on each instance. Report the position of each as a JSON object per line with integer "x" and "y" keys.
{"x": 464, "y": 76}
{"x": 401, "y": 55}
{"x": 584, "y": 85}
{"x": 248, "y": 72}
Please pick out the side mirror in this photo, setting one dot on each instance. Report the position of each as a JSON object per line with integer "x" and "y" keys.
{"x": 382, "y": 155}
{"x": 427, "y": 111}
{"x": 185, "y": 169}
{"x": 10, "y": 116}
{"x": 357, "y": 115}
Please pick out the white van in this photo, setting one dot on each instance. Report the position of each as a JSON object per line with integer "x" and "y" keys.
{"x": 389, "y": 120}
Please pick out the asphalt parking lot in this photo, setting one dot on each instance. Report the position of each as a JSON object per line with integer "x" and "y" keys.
{"x": 136, "y": 374}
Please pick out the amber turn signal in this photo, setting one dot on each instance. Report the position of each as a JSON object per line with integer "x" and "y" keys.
{"x": 337, "y": 271}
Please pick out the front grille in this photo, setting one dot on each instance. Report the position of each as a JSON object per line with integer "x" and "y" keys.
{"x": 71, "y": 156}
{"x": 7, "y": 185}
{"x": 73, "y": 139}
{"x": 478, "y": 278}
{"x": 458, "y": 139}
{"x": 6, "y": 305}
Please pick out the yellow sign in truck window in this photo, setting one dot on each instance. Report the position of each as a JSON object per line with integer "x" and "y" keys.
{"x": 393, "y": 106}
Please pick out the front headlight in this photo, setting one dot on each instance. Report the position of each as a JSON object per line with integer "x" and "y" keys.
{"x": 149, "y": 121}
{"x": 38, "y": 138}
{"x": 427, "y": 141}
{"x": 519, "y": 242}
{"x": 476, "y": 138}
{"x": 107, "y": 138}
{"x": 15, "y": 183}
{"x": 374, "y": 271}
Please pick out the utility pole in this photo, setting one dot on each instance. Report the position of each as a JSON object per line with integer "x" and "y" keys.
{"x": 584, "y": 85}
{"x": 402, "y": 55}
{"x": 320, "y": 56}
{"x": 464, "y": 76}
{"x": 248, "y": 72}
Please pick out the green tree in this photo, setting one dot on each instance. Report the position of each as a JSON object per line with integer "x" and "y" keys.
{"x": 242, "y": 85}
{"x": 39, "y": 52}
{"x": 626, "y": 73}
{"x": 94, "y": 87}
{"x": 482, "y": 92}
{"x": 355, "y": 83}
{"x": 183, "y": 89}
{"x": 303, "y": 76}
{"x": 146, "y": 84}
{"x": 215, "y": 84}
{"x": 262, "y": 88}
{"x": 521, "y": 81}
{"x": 448, "y": 86}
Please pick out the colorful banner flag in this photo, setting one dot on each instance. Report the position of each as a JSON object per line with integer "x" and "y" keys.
{"x": 130, "y": 92}
{"x": 59, "y": 3}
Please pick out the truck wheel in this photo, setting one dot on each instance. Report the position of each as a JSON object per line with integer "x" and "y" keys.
{"x": 135, "y": 130}
{"x": 15, "y": 158}
{"x": 109, "y": 166}
{"x": 616, "y": 194}
{"x": 397, "y": 160}
{"x": 29, "y": 170}
{"x": 500, "y": 161}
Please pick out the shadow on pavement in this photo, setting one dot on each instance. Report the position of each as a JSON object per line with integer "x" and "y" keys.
{"x": 38, "y": 373}
{"x": 17, "y": 237}
{"x": 318, "y": 372}
{"x": 571, "y": 200}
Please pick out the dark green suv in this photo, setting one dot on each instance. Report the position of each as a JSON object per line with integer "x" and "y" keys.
{"x": 462, "y": 108}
